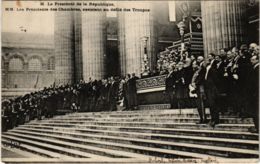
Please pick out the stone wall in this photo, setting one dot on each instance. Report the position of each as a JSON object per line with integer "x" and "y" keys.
{"x": 15, "y": 75}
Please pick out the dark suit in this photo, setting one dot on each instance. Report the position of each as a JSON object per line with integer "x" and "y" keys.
{"x": 112, "y": 95}
{"x": 132, "y": 92}
{"x": 211, "y": 91}
{"x": 199, "y": 79}
{"x": 124, "y": 93}
{"x": 242, "y": 72}
{"x": 253, "y": 94}
{"x": 222, "y": 85}
{"x": 169, "y": 87}
{"x": 103, "y": 100}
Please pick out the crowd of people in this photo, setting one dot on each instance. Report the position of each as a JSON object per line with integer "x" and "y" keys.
{"x": 225, "y": 82}
{"x": 91, "y": 96}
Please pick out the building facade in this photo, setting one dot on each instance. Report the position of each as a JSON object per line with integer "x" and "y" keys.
{"x": 95, "y": 46}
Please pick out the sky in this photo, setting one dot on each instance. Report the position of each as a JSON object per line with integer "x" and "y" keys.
{"x": 37, "y": 22}
{"x": 33, "y": 22}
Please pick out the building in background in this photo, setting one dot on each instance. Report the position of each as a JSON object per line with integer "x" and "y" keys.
{"x": 99, "y": 46}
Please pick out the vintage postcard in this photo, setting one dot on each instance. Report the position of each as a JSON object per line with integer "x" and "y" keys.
{"x": 130, "y": 81}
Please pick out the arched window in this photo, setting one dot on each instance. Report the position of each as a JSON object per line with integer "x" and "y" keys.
{"x": 34, "y": 65}
{"x": 15, "y": 64}
{"x": 51, "y": 63}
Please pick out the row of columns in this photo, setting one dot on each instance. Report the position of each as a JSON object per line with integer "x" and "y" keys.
{"x": 80, "y": 43}
{"x": 79, "y": 46}
{"x": 223, "y": 24}
{"x": 80, "y": 38}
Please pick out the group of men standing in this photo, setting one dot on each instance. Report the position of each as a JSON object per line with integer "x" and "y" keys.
{"x": 128, "y": 92}
{"x": 228, "y": 81}
{"x": 223, "y": 82}
{"x": 91, "y": 96}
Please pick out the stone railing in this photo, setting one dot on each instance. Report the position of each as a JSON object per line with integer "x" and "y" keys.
{"x": 155, "y": 83}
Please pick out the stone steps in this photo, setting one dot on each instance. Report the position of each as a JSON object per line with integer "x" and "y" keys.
{"x": 159, "y": 119}
{"x": 141, "y": 112}
{"x": 213, "y": 141}
{"x": 73, "y": 149}
{"x": 154, "y": 130}
{"x": 135, "y": 136}
{"x": 187, "y": 147}
{"x": 122, "y": 146}
{"x": 41, "y": 147}
{"x": 32, "y": 149}
{"x": 138, "y": 115}
{"x": 226, "y": 127}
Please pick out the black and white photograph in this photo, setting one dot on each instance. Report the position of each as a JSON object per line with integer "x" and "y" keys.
{"x": 129, "y": 81}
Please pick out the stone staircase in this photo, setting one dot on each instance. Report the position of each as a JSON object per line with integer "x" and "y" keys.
{"x": 134, "y": 136}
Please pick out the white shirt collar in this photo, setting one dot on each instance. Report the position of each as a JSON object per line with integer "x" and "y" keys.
{"x": 256, "y": 65}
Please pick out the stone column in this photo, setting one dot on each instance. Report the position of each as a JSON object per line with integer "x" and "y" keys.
{"x": 223, "y": 24}
{"x": 133, "y": 26}
{"x": 121, "y": 39}
{"x": 78, "y": 47}
{"x": 64, "y": 47}
{"x": 93, "y": 45}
